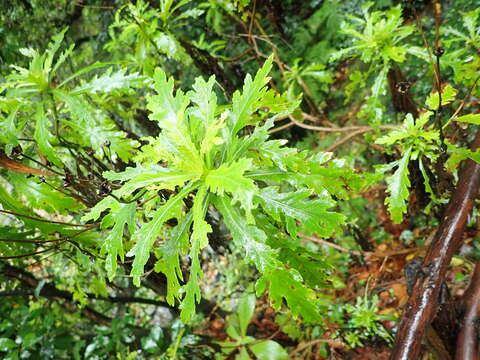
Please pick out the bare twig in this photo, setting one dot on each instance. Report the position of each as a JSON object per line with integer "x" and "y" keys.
{"x": 358, "y": 252}
{"x": 44, "y": 220}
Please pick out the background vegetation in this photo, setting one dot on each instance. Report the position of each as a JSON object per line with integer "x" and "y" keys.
{"x": 237, "y": 179}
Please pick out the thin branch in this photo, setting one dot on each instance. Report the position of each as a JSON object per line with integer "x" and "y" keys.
{"x": 28, "y": 254}
{"x": 340, "y": 129}
{"x": 331, "y": 342}
{"x": 346, "y": 138}
{"x": 365, "y": 254}
{"x": 44, "y": 220}
{"x": 112, "y": 299}
{"x": 332, "y": 245}
{"x": 282, "y": 127}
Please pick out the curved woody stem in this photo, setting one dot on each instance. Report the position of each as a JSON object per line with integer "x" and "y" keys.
{"x": 422, "y": 304}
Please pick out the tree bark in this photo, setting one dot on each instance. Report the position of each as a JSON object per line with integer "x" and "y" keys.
{"x": 422, "y": 304}
{"x": 467, "y": 341}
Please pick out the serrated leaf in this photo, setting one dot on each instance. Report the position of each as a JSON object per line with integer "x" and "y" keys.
{"x": 106, "y": 203}
{"x": 448, "y": 95}
{"x": 469, "y": 118}
{"x": 248, "y": 237}
{"x": 53, "y": 47}
{"x": 205, "y": 101}
{"x": 238, "y": 147}
{"x": 163, "y": 178}
{"x": 276, "y": 276}
{"x": 169, "y": 111}
{"x": 198, "y": 241}
{"x": 127, "y": 174}
{"x": 109, "y": 81}
{"x": 170, "y": 252}
{"x": 398, "y": 185}
{"x": 245, "y": 103}
{"x": 229, "y": 178}
{"x": 273, "y": 152}
{"x": 146, "y": 236}
{"x": 332, "y": 177}
{"x": 291, "y": 207}
{"x": 42, "y": 135}
{"x": 9, "y": 130}
{"x": 313, "y": 266}
{"x": 93, "y": 128}
{"x": 285, "y": 284}
{"x": 204, "y": 126}
{"x": 113, "y": 245}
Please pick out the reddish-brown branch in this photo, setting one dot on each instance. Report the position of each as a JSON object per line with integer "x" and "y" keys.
{"x": 467, "y": 341}
{"x": 422, "y": 304}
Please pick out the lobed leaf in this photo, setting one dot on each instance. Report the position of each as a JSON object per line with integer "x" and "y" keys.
{"x": 312, "y": 214}
{"x": 146, "y": 236}
{"x": 398, "y": 185}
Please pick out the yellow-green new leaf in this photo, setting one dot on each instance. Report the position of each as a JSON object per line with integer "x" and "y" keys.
{"x": 245, "y": 103}
{"x": 448, "y": 95}
{"x": 470, "y": 118}
{"x": 229, "y": 178}
{"x": 169, "y": 111}
{"x": 163, "y": 178}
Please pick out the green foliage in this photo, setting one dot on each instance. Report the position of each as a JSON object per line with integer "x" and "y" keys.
{"x": 218, "y": 171}
{"x": 240, "y": 341}
{"x": 364, "y": 321}
{"x": 160, "y": 146}
{"x": 380, "y": 36}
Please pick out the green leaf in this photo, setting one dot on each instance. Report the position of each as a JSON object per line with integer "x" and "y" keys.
{"x": 113, "y": 245}
{"x": 245, "y": 103}
{"x": 92, "y": 127}
{"x": 169, "y": 111}
{"x": 146, "y": 236}
{"x": 312, "y": 214}
{"x": 203, "y": 125}
{"x": 283, "y": 283}
{"x": 229, "y": 178}
{"x": 198, "y": 241}
{"x": 448, "y": 95}
{"x": 169, "y": 256}
{"x": 162, "y": 178}
{"x": 248, "y": 237}
{"x": 106, "y": 203}
{"x": 107, "y": 82}
{"x": 269, "y": 350}
{"x": 53, "y": 47}
{"x": 42, "y": 135}
{"x": 7, "y": 344}
{"x": 245, "y": 311}
{"x": 398, "y": 185}
{"x": 9, "y": 133}
{"x": 469, "y": 118}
